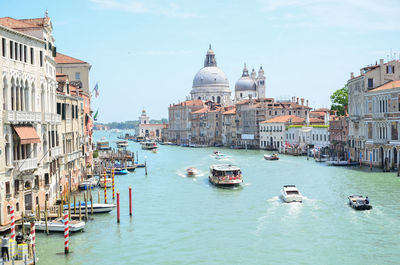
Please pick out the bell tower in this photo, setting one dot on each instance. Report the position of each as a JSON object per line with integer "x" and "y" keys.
{"x": 261, "y": 83}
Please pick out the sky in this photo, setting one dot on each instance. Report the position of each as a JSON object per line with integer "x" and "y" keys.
{"x": 145, "y": 53}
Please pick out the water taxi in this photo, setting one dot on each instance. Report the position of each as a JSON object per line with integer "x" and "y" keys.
{"x": 271, "y": 157}
{"x": 90, "y": 183}
{"x": 191, "y": 171}
{"x": 149, "y": 145}
{"x": 122, "y": 143}
{"x": 57, "y": 225}
{"x": 290, "y": 193}
{"x": 103, "y": 145}
{"x": 140, "y": 139}
{"x": 225, "y": 175}
{"x": 358, "y": 202}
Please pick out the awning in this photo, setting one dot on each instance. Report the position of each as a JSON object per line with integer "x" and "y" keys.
{"x": 27, "y": 134}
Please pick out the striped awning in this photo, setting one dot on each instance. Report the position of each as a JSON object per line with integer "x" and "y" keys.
{"x": 27, "y": 134}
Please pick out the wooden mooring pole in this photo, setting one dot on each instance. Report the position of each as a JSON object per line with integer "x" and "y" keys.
{"x": 45, "y": 217}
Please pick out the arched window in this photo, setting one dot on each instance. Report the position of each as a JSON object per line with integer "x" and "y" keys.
{"x": 241, "y": 95}
{"x": 5, "y": 99}
{"x": 213, "y": 98}
{"x": 218, "y": 99}
{"x": 199, "y": 98}
{"x": 8, "y": 209}
{"x": 17, "y": 207}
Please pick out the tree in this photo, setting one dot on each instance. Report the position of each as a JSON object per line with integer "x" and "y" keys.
{"x": 339, "y": 100}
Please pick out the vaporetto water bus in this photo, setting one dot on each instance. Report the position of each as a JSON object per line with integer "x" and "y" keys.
{"x": 225, "y": 175}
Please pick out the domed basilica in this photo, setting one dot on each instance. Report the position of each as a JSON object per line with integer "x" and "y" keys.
{"x": 211, "y": 84}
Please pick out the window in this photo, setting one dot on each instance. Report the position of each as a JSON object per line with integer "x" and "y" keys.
{"x": 20, "y": 52}
{"x": 25, "y": 57}
{"x": 370, "y": 82}
{"x": 11, "y": 49}
{"x": 32, "y": 56}
{"x": 16, "y": 51}
{"x": 8, "y": 188}
{"x": 77, "y": 76}
{"x": 390, "y": 69}
{"x": 3, "y": 46}
{"x": 58, "y": 108}
{"x": 41, "y": 58}
{"x": 46, "y": 179}
{"x": 72, "y": 111}
{"x": 394, "y": 131}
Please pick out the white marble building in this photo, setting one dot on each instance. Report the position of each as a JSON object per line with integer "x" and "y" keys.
{"x": 250, "y": 86}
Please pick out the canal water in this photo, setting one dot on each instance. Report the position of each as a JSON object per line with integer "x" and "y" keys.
{"x": 180, "y": 220}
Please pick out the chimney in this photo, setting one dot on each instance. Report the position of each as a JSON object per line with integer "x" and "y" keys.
{"x": 307, "y": 102}
{"x": 302, "y": 101}
{"x": 297, "y": 100}
{"x": 351, "y": 75}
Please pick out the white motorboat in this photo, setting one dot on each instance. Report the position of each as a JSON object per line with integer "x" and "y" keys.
{"x": 97, "y": 207}
{"x": 290, "y": 193}
{"x": 271, "y": 157}
{"x": 225, "y": 175}
{"x": 191, "y": 171}
{"x": 149, "y": 145}
{"x": 218, "y": 155}
{"x": 122, "y": 143}
{"x": 58, "y": 225}
{"x": 107, "y": 183}
{"x": 358, "y": 202}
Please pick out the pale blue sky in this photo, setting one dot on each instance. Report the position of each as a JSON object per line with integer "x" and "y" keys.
{"x": 145, "y": 53}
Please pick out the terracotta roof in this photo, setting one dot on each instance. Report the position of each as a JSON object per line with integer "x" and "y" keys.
{"x": 16, "y": 24}
{"x": 154, "y": 125}
{"x": 194, "y": 102}
{"x": 388, "y": 85}
{"x": 321, "y": 110}
{"x": 316, "y": 121}
{"x": 203, "y": 110}
{"x": 230, "y": 112}
{"x": 285, "y": 119}
{"x": 65, "y": 59}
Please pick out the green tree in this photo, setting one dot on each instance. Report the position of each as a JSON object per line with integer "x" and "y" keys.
{"x": 340, "y": 100}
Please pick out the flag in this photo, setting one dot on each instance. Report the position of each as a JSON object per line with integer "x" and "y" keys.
{"x": 96, "y": 89}
{"x": 95, "y": 115}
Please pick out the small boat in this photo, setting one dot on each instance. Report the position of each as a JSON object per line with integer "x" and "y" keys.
{"x": 118, "y": 171}
{"x": 358, "y": 202}
{"x": 271, "y": 157}
{"x": 97, "y": 207}
{"x": 107, "y": 183}
{"x": 290, "y": 193}
{"x": 140, "y": 139}
{"x": 155, "y": 150}
{"x": 225, "y": 175}
{"x": 57, "y": 225}
{"x": 103, "y": 145}
{"x": 342, "y": 163}
{"x": 321, "y": 158}
{"x": 149, "y": 145}
{"x": 131, "y": 167}
{"x": 218, "y": 155}
{"x": 139, "y": 165}
{"x": 191, "y": 171}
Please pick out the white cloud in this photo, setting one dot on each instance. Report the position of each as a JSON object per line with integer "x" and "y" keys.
{"x": 352, "y": 14}
{"x": 134, "y": 6}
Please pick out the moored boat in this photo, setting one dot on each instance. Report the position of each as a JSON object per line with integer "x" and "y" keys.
{"x": 342, "y": 163}
{"x": 225, "y": 175}
{"x": 271, "y": 157}
{"x": 57, "y": 225}
{"x": 107, "y": 183}
{"x": 89, "y": 183}
{"x": 290, "y": 193}
{"x": 122, "y": 143}
{"x": 97, "y": 207}
{"x": 358, "y": 202}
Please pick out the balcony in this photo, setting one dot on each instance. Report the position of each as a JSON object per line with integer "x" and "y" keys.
{"x": 51, "y": 118}
{"x": 56, "y": 151}
{"x": 378, "y": 115}
{"x": 26, "y": 164}
{"x": 13, "y": 116}
{"x": 73, "y": 156}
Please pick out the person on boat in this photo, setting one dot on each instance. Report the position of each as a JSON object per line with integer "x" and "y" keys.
{"x": 366, "y": 200}
{"x": 19, "y": 238}
{"x": 5, "y": 241}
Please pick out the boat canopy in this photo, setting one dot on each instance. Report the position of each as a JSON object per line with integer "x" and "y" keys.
{"x": 225, "y": 167}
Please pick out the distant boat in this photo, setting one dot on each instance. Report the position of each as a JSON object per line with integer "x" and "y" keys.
{"x": 149, "y": 145}
{"x": 89, "y": 183}
{"x": 122, "y": 143}
{"x": 341, "y": 163}
{"x": 358, "y": 202}
{"x": 225, "y": 175}
{"x": 271, "y": 157}
{"x": 191, "y": 171}
{"x": 107, "y": 183}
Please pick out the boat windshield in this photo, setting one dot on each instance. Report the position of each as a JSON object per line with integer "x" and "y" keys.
{"x": 292, "y": 192}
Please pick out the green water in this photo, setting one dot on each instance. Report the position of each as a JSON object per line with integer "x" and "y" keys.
{"x": 179, "y": 220}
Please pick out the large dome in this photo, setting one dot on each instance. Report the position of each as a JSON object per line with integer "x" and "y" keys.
{"x": 210, "y": 76}
{"x": 245, "y": 83}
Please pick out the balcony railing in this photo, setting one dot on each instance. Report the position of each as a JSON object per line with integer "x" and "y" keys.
{"x": 52, "y": 117}
{"x": 74, "y": 155}
{"x": 22, "y": 116}
{"x": 25, "y": 164}
{"x": 55, "y": 151}
{"x": 378, "y": 115}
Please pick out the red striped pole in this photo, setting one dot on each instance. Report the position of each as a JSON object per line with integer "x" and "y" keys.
{"x": 118, "y": 216}
{"x": 66, "y": 232}
{"x": 12, "y": 223}
{"x": 130, "y": 200}
{"x": 113, "y": 183}
{"x": 105, "y": 187}
{"x": 33, "y": 235}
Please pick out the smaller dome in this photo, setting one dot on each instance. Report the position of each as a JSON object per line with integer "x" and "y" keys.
{"x": 245, "y": 83}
